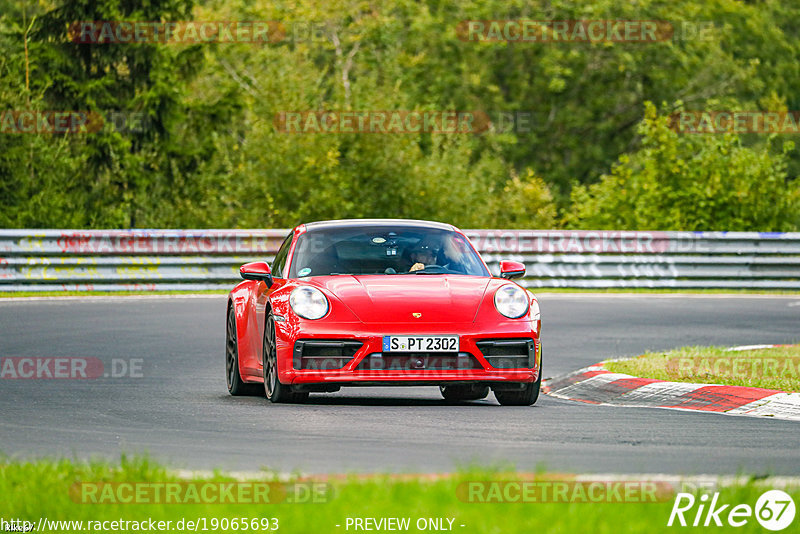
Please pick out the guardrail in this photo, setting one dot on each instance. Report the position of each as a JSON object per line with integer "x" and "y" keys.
{"x": 110, "y": 260}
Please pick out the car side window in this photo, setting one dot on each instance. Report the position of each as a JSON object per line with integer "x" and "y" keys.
{"x": 280, "y": 258}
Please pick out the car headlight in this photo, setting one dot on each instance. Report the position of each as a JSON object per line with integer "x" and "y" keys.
{"x": 309, "y": 302}
{"x": 511, "y": 301}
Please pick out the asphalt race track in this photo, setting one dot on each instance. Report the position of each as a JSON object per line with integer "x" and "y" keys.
{"x": 179, "y": 411}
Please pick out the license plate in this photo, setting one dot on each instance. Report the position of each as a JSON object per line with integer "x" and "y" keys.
{"x": 420, "y": 343}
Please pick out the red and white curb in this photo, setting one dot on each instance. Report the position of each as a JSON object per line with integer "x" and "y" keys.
{"x": 597, "y": 385}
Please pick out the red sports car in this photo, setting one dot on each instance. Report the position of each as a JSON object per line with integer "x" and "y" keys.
{"x": 382, "y": 302}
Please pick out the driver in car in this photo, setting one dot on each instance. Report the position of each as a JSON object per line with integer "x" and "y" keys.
{"x": 422, "y": 255}
{"x": 427, "y": 254}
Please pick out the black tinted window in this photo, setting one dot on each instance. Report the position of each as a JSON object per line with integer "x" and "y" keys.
{"x": 384, "y": 250}
{"x": 280, "y": 258}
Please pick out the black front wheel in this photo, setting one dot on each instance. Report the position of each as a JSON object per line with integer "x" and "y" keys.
{"x": 236, "y": 386}
{"x": 276, "y": 391}
{"x": 527, "y": 395}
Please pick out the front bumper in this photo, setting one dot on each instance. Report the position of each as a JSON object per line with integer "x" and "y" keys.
{"x": 358, "y": 359}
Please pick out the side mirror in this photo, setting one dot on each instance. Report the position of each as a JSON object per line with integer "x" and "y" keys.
{"x": 257, "y": 270}
{"x": 511, "y": 269}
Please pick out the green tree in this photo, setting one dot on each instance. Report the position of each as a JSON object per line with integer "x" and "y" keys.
{"x": 689, "y": 182}
{"x": 211, "y": 156}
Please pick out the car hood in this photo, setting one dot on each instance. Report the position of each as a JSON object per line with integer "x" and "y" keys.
{"x": 394, "y": 299}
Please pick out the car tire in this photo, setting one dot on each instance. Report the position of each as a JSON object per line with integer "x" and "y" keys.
{"x": 461, "y": 392}
{"x": 276, "y": 391}
{"x": 527, "y": 396}
{"x": 236, "y": 386}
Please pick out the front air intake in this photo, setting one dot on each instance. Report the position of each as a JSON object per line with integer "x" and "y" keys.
{"x": 509, "y": 353}
{"x": 324, "y": 355}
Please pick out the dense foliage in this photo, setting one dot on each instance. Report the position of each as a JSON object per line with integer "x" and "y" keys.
{"x": 200, "y": 147}
{"x": 689, "y": 182}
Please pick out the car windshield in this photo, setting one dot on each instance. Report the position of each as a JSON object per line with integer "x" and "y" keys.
{"x": 384, "y": 250}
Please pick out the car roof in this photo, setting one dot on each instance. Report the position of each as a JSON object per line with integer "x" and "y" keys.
{"x": 354, "y": 223}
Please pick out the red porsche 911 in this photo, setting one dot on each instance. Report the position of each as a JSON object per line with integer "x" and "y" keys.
{"x": 382, "y": 302}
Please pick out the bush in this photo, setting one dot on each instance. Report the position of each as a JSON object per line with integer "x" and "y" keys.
{"x": 690, "y": 182}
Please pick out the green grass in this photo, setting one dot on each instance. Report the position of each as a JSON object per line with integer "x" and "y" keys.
{"x": 42, "y": 489}
{"x": 774, "y": 368}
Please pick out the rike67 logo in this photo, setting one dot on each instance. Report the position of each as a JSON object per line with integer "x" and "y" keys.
{"x": 774, "y": 510}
